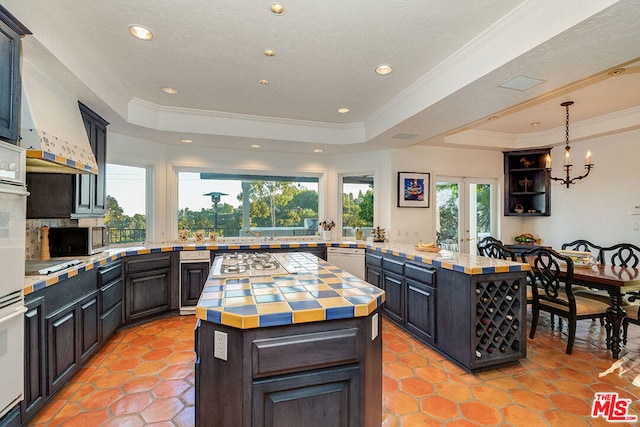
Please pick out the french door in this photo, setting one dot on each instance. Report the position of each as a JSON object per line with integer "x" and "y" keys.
{"x": 466, "y": 211}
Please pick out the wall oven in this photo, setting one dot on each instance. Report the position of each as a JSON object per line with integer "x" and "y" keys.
{"x": 13, "y": 205}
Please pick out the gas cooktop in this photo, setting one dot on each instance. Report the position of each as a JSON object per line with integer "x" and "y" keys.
{"x": 247, "y": 264}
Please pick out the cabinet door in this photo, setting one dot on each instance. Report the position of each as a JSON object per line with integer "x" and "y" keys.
{"x": 34, "y": 358}
{"x": 62, "y": 347}
{"x": 9, "y": 83}
{"x": 374, "y": 276}
{"x": 192, "y": 279}
{"x": 302, "y": 399}
{"x": 420, "y": 316}
{"x": 393, "y": 285}
{"x": 147, "y": 293}
{"x": 99, "y": 184}
{"x": 88, "y": 312}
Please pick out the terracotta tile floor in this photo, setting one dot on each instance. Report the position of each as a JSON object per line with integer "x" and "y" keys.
{"x": 144, "y": 376}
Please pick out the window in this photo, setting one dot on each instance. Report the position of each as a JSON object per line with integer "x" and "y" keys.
{"x": 235, "y": 205}
{"x": 126, "y": 204}
{"x": 357, "y": 205}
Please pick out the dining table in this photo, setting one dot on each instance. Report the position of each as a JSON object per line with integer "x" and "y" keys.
{"x": 616, "y": 281}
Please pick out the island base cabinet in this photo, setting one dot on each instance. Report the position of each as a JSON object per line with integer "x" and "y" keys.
{"x": 421, "y": 306}
{"x": 304, "y": 399}
{"x": 312, "y": 374}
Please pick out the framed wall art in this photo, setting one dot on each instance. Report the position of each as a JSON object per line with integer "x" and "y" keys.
{"x": 413, "y": 189}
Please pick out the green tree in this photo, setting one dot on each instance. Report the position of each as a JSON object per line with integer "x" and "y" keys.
{"x": 365, "y": 213}
{"x": 267, "y": 196}
{"x": 114, "y": 215}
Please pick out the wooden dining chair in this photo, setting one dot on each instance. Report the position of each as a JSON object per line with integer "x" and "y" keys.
{"x": 552, "y": 280}
{"x": 633, "y": 314}
{"x": 493, "y": 248}
{"x": 622, "y": 254}
{"x": 584, "y": 246}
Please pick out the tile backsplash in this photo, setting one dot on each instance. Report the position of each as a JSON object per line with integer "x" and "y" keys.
{"x": 33, "y": 236}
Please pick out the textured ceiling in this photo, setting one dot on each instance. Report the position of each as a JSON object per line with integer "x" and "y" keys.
{"x": 444, "y": 81}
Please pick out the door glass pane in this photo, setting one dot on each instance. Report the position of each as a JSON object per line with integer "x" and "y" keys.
{"x": 448, "y": 216}
{"x": 480, "y": 214}
{"x": 125, "y": 213}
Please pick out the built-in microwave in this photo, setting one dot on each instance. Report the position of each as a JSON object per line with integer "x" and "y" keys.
{"x": 78, "y": 241}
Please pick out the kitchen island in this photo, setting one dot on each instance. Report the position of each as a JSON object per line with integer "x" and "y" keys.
{"x": 292, "y": 349}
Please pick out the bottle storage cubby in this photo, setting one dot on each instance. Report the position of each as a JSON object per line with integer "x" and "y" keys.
{"x": 526, "y": 183}
{"x": 498, "y": 331}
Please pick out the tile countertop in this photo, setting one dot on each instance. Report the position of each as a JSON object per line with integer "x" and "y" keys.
{"x": 318, "y": 291}
{"x": 465, "y": 263}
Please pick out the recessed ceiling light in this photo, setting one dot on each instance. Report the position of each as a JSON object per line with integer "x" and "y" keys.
{"x": 255, "y": 145}
{"x": 277, "y": 9}
{"x": 169, "y": 90}
{"x": 492, "y": 118}
{"x": 535, "y": 123}
{"x": 616, "y": 72}
{"x": 343, "y": 110}
{"x": 384, "y": 69}
{"x": 140, "y": 32}
{"x": 263, "y": 82}
{"x": 186, "y": 141}
{"x": 269, "y": 52}
{"x": 318, "y": 150}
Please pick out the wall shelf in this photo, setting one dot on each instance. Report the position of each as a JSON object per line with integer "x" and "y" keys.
{"x": 527, "y": 187}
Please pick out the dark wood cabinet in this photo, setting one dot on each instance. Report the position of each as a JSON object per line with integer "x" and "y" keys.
{"x": 55, "y": 195}
{"x": 62, "y": 347}
{"x": 527, "y": 186}
{"x": 88, "y": 318}
{"x": 373, "y": 268}
{"x": 304, "y": 398}
{"x": 148, "y": 285}
{"x": 394, "y": 286}
{"x": 421, "y": 301}
{"x": 90, "y": 196}
{"x": 111, "y": 294}
{"x": 10, "y": 84}
{"x": 326, "y": 373}
{"x": 193, "y": 276}
{"x": 35, "y": 375}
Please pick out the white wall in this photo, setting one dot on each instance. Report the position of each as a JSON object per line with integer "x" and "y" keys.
{"x": 596, "y": 208}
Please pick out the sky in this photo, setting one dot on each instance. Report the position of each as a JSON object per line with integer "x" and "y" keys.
{"x": 127, "y": 185}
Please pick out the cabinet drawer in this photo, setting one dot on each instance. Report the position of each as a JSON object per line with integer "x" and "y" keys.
{"x": 111, "y": 321}
{"x": 142, "y": 263}
{"x": 373, "y": 260}
{"x": 304, "y": 352}
{"x": 110, "y": 295}
{"x": 423, "y": 274}
{"x": 393, "y": 265}
{"x": 109, "y": 273}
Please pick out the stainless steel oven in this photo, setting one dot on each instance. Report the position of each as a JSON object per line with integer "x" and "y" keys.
{"x": 13, "y": 208}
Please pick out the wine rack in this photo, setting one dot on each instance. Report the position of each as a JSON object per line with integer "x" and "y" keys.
{"x": 498, "y": 328}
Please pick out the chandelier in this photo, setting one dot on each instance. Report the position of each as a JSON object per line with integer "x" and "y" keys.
{"x": 567, "y": 158}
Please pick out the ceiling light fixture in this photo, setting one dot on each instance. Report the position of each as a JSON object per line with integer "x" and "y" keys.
{"x": 534, "y": 123}
{"x": 492, "y": 118}
{"x": 343, "y": 110}
{"x": 567, "y": 159}
{"x": 384, "y": 69}
{"x": 169, "y": 90}
{"x": 277, "y": 9}
{"x": 263, "y": 82}
{"x": 255, "y": 145}
{"x": 616, "y": 72}
{"x": 140, "y": 32}
{"x": 318, "y": 150}
{"x": 186, "y": 141}
{"x": 269, "y": 52}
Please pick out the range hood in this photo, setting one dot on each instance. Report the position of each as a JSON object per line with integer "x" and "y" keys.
{"x": 51, "y": 126}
